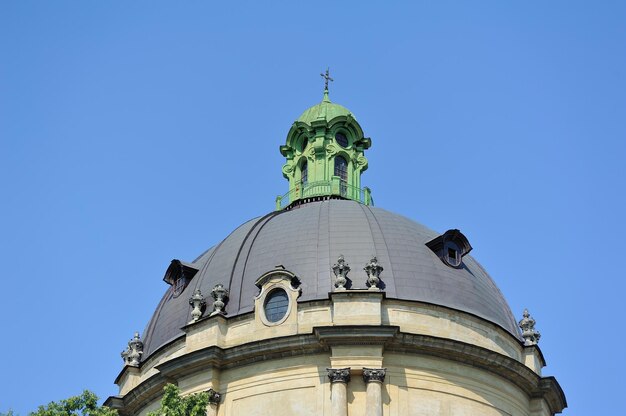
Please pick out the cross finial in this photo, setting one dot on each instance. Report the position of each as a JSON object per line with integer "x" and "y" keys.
{"x": 327, "y": 78}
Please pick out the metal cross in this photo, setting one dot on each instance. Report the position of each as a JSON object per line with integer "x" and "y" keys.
{"x": 327, "y": 78}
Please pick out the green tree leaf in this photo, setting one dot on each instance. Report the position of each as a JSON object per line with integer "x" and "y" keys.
{"x": 84, "y": 405}
{"x": 173, "y": 404}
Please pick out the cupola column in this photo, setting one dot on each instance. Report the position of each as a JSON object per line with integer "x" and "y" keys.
{"x": 374, "y": 378}
{"x": 339, "y": 378}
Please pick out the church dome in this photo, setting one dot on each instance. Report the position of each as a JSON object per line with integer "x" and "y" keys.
{"x": 329, "y": 305}
{"x": 326, "y": 110}
{"x": 307, "y": 240}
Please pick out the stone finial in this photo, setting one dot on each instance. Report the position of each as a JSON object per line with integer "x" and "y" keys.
{"x": 198, "y": 303}
{"x": 220, "y": 297}
{"x": 339, "y": 375}
{"x": 214, "y": 397}
{"x": 125, "y": 356}
{"x": 341, "y": 270}
{"x": 373, "y": 270}
{"x": 374, "y": 374}
{"x": 530, "y": 335}
{"x": 134, "y": 351}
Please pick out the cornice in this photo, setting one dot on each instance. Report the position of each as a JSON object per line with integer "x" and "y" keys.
{"x": 320, "y": 341}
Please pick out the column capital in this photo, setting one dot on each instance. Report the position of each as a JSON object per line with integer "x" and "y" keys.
{"x": 374, "y": 374}
{"x": 214, "y": 397}
{"x": 339, "y": 375}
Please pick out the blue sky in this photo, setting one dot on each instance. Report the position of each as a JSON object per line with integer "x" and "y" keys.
{"x": 132, "y": 133}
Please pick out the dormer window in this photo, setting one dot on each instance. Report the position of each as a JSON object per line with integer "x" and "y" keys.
{"x": 276, "y": 303}
{"x": 179, "y": 285}
{"x": 178, "y": 275}
{"x": 452, "y": 254}
{"x": 450, "y": 247}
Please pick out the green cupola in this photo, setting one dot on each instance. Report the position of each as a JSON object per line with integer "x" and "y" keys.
{"x": 325, "y": 157}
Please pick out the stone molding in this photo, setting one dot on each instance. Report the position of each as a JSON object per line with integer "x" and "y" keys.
{"x": 356, "y": 334}
{"x": 339, "y": 375}
{"x": 376, "y": 375}
{"x": 322, "y": 338}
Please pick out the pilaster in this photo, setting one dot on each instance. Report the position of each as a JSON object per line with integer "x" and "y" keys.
{"x": 533, "y": 358}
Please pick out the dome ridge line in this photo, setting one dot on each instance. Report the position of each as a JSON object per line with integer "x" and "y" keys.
{"x": 220, "y": 243}
{"x": 263, "y": 219}
{"x": 389, "y": 269}
{"x": 202, "y": 272}
{"x": 329, "y": 229}
{"x": 375, "y": 252}
{"x": 317, "y": 246}
{"x": 150, "y": 328}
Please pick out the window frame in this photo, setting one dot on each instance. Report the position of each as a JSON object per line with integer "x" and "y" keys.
{"x": 284, "y": 308}
{"x": 345, "y": 135}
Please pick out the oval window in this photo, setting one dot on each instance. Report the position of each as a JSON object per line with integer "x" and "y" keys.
{"x": 276, "y": 305}
{"x": 341, "y": 139}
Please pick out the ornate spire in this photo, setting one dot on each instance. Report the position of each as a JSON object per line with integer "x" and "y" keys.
{"x": 530, "y": 335}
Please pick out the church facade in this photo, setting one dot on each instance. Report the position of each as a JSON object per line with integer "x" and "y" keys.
{"x": 329, "y": 305}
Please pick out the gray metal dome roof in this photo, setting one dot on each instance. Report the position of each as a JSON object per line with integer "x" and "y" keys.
{"x": 307, "y": 241}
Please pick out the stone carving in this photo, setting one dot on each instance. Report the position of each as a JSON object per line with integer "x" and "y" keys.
{"x": 341, "y": 270}
{"x": 361, "y": 161}
{"x": 530, "y": 335}
{"x": 134, "y": 351}
{"x": 198, "y": 303}
{"x": 220, "y": 297}
{"x": 374, "y": 374}
{"x": 373, "y": 270}
{"x": 214, "y": 397}
{"x": 331, "y": 150}
{"x": 288, "y": 168}
{"x": 339, "y": 375}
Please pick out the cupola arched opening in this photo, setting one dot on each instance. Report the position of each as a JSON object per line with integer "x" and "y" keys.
{"x": 304, "y": 172}
{"x": 341, "y": 170}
